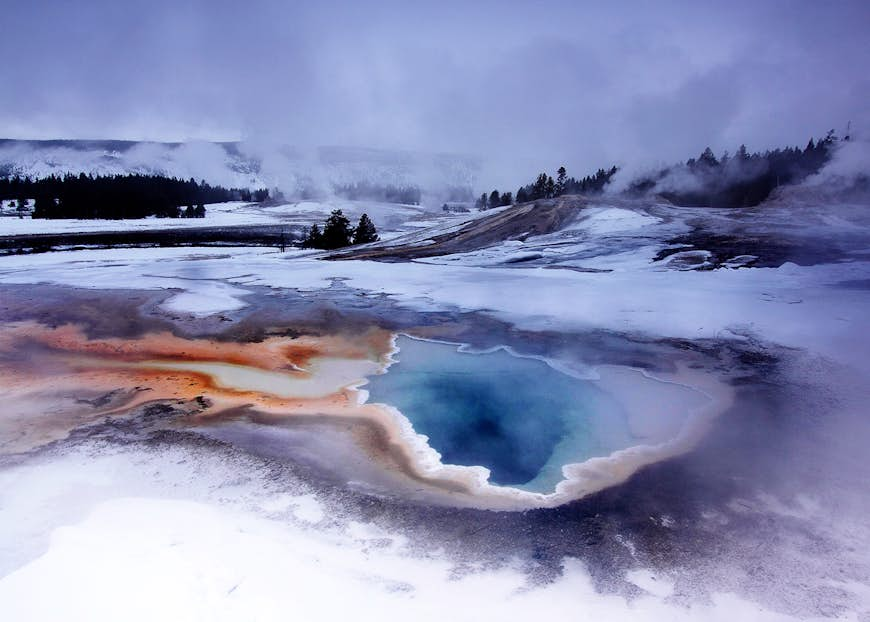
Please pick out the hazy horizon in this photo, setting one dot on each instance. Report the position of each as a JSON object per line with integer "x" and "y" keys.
{"x": 526, "y": 87}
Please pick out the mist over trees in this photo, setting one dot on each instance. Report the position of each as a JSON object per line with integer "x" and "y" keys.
{"x": 120, "y": 196}
{"x": 743, "y": 179}
{"x": 385, "y": 193}
{"x": 740, "y": 180}
{"x": 545, "y": 187}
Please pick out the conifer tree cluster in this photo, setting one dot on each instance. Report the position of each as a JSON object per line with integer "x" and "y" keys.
{"x": 120, "y": 196}
{"x": 740, "y": 180}
{"x": 545, "y": 187}
{"x": 495, "y": 199}
{"x": 337, "y": 232}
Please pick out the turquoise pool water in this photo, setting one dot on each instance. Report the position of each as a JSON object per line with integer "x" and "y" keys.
{"x": 516, "y": 416}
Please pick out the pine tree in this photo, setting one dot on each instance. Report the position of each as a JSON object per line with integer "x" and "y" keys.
{"x": 507, "y": 198}
{"x": 522, "y": 196}
{"x": 561, "y": 177}
{"x": 365, "y": 231}
{"x": 314, "y": 239}
{"x": 494, "y": 199}
{"x": 549, "y": 188}
{"x": 337, "y": 231}
{"x": 44, "y": 207}
{"x": 708, "y": 157}
{"x": 539, "y": 190}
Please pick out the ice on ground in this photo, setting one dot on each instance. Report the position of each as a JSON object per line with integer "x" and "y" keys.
{"x": 304, "y": 507}
{"x": 243, "y": 548}
{"x": 602, "y": 220}
{"x": 181, "y": 552}
{"x": 650, "y": 582}
{"x": 217, "y": 215}
{"x": 689, "y": 260}
{"x": 204, "y": 298}
{"x": 389, "y": 218}
{"x": 796, "y": 306}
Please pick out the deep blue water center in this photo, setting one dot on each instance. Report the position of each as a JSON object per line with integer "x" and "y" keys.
{"x": 510, "y": 414}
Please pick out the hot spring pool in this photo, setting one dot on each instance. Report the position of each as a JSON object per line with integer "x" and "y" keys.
{"x": 518, "y": 417}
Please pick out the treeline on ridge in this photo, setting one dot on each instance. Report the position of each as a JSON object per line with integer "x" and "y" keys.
{"x": 120, "y": 196}
{"x": 545, "y": 187}
{"x": 740, "y": 180}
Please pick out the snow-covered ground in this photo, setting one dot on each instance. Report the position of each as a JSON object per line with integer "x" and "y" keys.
{"x": 388, "y": 216}
{"x": 178, "y": 535}
{"x": 791, "y": 305}
{"x": 173, "y": 534}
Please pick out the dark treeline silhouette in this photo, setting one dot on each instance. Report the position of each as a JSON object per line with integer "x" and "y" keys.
{"x": 260, "y": 195}
{"x": 494, "y": 199}
{"x": 338, "y": 233}
{"x": 386, "y": 193}
{"x": 120, "y": 196}
{"x": 742, "y": 180}
{"x": 545, "y": 187}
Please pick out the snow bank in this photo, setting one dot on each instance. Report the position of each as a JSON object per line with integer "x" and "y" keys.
{"x": 388, "y": 217}
{"x": 604, "y": 220}
{"x": 208, "y": 551}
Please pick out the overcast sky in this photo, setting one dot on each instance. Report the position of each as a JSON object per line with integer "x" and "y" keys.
{"x": 580, "y": 83}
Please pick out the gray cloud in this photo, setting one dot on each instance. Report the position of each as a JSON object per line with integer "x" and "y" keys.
{"x": 526, "y": 85}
